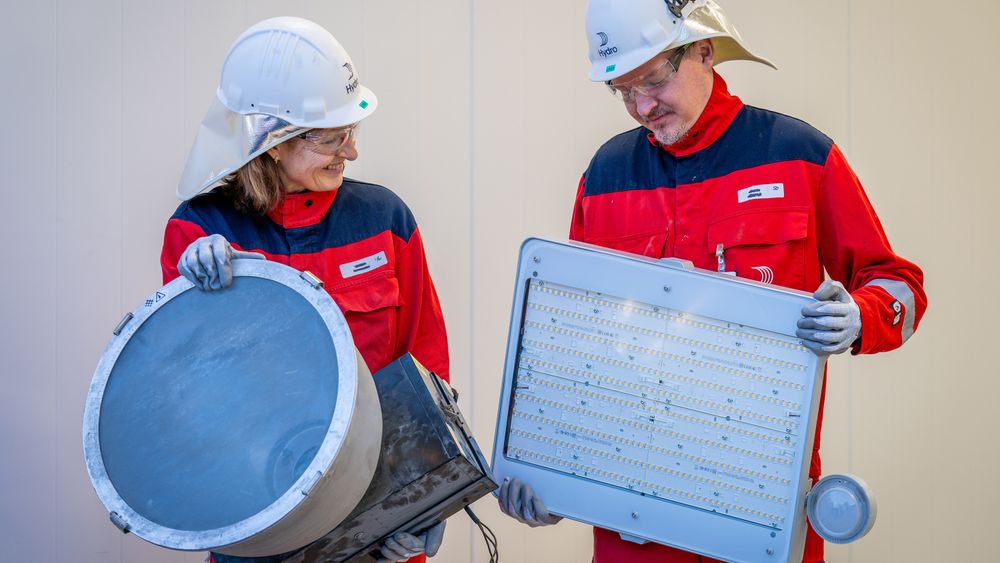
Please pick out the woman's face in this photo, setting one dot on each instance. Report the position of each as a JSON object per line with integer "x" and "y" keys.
{"x": 315, "y": 160}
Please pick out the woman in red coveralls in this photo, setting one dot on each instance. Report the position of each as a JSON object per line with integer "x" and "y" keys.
{"x": 265, "y": 180}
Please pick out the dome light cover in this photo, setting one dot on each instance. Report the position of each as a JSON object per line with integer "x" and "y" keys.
{"x": 841, "y": 508}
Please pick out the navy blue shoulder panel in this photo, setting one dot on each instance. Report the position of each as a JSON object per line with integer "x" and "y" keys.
{"x": 756, "y": 137}
{"x": 360, "y": 210}
{"x": 759, "y": 136}
{"x": 215, "y": 214}
{"x": 628, "y": 161}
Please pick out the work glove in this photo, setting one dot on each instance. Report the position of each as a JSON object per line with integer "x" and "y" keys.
{"x": 208, "y": 262}
{"x": 519, "y": 501}
{"x": 403, "y": 546}
{"x": 833, "y": 323}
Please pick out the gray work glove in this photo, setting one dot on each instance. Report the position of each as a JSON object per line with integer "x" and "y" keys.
{"x": 519, "y": 501}
{"x": 833, "y": 323}
{"x": 208, "y": 262}
{"x": 403, "y": 546}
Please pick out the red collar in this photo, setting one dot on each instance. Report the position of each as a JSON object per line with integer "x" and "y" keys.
{"x": 720, "y": 111}
{"x": 302, "y": 209}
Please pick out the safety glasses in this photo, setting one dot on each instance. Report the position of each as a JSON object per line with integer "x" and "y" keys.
{"x": 653, "y": 81}
{"x": 329, "y": 141}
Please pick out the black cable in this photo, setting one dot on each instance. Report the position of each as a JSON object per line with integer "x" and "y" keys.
{"x": 488, "y": 535}
{"x": 491, "y": 539}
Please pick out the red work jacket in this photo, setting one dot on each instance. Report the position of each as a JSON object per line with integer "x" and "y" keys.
{"x": 361, "y": 240}
{"x": 780, "y": 198}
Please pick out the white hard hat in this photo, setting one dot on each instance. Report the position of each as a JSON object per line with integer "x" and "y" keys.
{"x": 281, "y": 77}
{"x": 624, "y": 34}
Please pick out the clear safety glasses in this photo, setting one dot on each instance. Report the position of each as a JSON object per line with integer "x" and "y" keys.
{"x": 329, "y": 141}
{"x": 653, "y": 81}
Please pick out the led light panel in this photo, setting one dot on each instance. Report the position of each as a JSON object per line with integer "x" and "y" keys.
{"x": 669, "y": 404}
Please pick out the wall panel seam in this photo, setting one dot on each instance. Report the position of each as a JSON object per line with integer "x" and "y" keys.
{"x": 473, "y": 414}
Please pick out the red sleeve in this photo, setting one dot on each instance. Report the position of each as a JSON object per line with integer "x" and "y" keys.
{"x": 176, "y": 238}
{"x": 576, "y": 225}
{"x": 420, "y": 328}
{"x": 855, "y": 251}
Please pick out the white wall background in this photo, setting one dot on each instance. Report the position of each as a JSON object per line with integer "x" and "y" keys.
{"x": 485, "y": 122}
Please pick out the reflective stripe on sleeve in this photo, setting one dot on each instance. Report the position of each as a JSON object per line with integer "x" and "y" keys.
{"x": 902, "y": 293}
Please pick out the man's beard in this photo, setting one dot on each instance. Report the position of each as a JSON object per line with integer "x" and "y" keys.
{"x": 666, "y": 135}
{"x": 672, "y": 135}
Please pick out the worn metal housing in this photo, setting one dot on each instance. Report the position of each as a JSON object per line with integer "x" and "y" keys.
{"x": 430, "y": 467}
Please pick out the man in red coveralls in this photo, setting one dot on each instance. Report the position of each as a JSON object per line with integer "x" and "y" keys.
{"x": 731, "y": 187}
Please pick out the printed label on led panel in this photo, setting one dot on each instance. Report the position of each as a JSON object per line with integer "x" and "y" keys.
{"x": 664, "y": 403}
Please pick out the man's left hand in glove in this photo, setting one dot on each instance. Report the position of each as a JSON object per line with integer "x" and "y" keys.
{"x": 833, "y": 323}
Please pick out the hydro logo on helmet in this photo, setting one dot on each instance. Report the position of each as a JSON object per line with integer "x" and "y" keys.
{"x": 281, "y": 77}
{"x": 352, "y": 81}
{"x": 604, "y": 41}
{"x": 644, "y": 28}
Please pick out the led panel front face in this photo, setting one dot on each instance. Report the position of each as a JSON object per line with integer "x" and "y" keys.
{"x": 695, "y": 410}
{"x": 678, "y": 413}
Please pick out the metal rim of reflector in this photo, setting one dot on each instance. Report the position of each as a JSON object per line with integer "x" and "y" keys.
{"x": 347, "y": 390}
{"x": 841, "y": 508}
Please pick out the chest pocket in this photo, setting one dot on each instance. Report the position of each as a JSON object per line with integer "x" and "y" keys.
{"x": 767, "y": 245}
{"x": 649, "y": 244}
{"x": 371, "y": 306}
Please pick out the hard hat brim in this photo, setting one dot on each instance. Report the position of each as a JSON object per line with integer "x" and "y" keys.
{"x": 726, "y": 49}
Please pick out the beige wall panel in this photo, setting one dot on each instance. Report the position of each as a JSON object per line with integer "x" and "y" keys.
{"x": 209, "y": 29}
{"x": 807, "y": 41}
{"x": 417, "y": 62}
{"x": 537, "y": 120}
{"x": 28, "y": 426}
{"x": 923, "y": 137}
{"x": 154, "y": 138}
{"x": 88, "y": 226}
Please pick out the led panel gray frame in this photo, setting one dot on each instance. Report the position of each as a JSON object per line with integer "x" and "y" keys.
{"x": 585, "y": 421}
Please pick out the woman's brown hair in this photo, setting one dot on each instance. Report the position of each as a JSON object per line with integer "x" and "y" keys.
{"x": 255, "y": 188}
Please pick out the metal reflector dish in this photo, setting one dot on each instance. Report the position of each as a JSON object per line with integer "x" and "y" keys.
{"x": 242, "y": 421}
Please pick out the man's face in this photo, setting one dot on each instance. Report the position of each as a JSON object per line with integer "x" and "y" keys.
{"x": 672, "y": 108}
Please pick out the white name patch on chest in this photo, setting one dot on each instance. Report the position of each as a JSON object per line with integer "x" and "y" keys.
{"x": 366, "y": 264}
{"x": 763, "y": 191}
